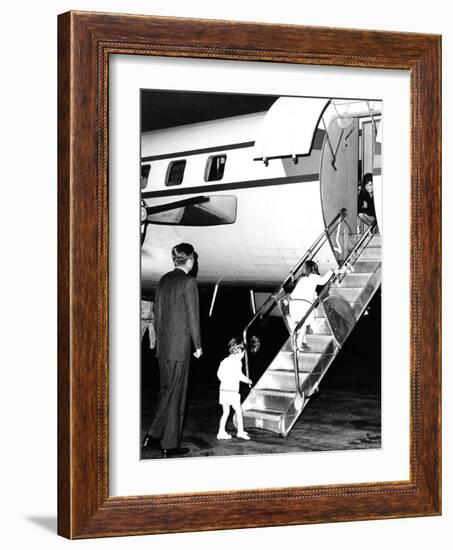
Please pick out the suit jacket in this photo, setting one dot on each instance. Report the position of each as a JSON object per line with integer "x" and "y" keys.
{"x": 177, "y": 316}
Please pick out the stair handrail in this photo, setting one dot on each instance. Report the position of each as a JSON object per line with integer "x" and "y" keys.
{"x": 339, "y": 275}
{"x": 274, "y": 297}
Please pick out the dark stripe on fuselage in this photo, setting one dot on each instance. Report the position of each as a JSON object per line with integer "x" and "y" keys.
{"x": 248, "y": 184}
{"x": 317, "y": 144}
{"x": 216, "y": 149}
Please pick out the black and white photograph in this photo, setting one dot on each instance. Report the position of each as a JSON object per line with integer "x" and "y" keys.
{"x": 260, "y": 314}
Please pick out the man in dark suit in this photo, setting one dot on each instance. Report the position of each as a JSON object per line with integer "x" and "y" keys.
{"x": 177, "y": 325}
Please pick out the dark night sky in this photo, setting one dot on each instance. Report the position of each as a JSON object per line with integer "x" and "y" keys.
{"x": 164, "y": 109}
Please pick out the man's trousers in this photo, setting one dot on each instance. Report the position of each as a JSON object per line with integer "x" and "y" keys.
{"x": 168, "y": 421}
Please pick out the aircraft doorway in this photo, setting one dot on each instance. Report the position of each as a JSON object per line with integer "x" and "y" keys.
{"x": 348, "y": 153}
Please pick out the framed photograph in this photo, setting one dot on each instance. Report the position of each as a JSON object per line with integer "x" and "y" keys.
{"x": 249, "y": 275}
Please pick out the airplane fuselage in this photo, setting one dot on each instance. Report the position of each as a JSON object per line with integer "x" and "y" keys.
{"x": 250, "y": 220}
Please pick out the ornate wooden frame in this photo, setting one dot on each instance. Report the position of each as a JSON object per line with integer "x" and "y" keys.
{"x": 85, "y": 42}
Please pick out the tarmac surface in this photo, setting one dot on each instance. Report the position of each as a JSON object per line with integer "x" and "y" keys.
{"x": 335, "y": 419}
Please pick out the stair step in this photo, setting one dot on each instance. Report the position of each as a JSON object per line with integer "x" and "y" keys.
{"x": 285, "y": 372}
{"x": 284, "y": 361}
{"x": 286, "y": 357}
{"x": 375, "y": 239}
{"x": 365, "y": 265}
{"x": 317, "y": 342}
{"x": 265, "y": 419}
{"x": 275, "y": 392}
{"x": 353, "y": 280}
{"x": 269, "y": 413}
{"x": 281, "y": 379}
{"x": 307, "y": 361}
{"x": 371, "y": 253}
{"x": 348, "y": 293}
{"x": 271, "y": 399}
{"x": 319, "y": 312}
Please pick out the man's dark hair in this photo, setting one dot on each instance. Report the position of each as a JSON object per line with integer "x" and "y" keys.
{"x": 181, "y": 253}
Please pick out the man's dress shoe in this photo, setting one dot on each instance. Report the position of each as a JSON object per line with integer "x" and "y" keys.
{"x": 177, "y": 451}
{"x": 151, "y": 442}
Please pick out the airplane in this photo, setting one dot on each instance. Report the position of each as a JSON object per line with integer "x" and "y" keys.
{"x": 257, "y": 195}
{"x": 252, "y": 192}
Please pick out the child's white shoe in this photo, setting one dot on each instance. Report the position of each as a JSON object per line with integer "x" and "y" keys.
{"x": 223, "y": 435}
{"x": 243, "y": 435}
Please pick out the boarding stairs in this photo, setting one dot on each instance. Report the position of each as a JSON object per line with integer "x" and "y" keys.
{"x": 282, "y": 392}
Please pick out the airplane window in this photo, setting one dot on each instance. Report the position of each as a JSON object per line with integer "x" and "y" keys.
{"x": 215, "y": 167}
{"x": 197, "y": 211}
{"x": 175, "y": 173}
{"x": 145, "y": 168}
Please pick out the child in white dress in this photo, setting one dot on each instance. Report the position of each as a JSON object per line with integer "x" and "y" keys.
{"x": 230, "y": 375}
{"x": 303, "y": 296}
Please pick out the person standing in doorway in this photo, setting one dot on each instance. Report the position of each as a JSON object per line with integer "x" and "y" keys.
{"x": 365, "y": 201}
{"x": 177, "y": 325}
